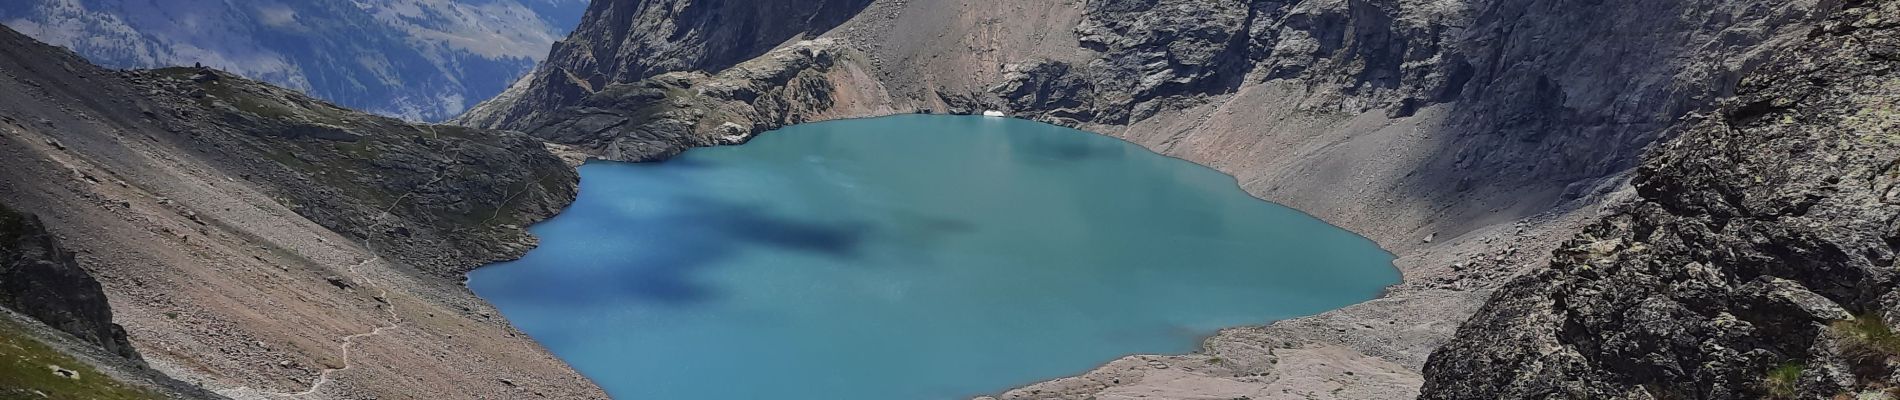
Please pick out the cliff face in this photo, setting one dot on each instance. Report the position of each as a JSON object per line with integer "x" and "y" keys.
{"x": 52, "y": 311}
{"x": 659, "y": 117}
{"x": 624, "y": 41}
{"x": 42, "y": 280}
{"x": 1758, "y": 261}
{"x": 262, "y": 244}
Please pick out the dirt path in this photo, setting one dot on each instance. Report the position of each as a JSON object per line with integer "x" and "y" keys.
{"x": 382, "y": 295}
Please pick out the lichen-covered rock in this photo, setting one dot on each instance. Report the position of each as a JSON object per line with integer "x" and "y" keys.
{"x": 1758, "y": 262}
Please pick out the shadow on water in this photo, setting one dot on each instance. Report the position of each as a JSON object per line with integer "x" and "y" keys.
{"x": 690, "y": 163}
{"x": 1046, "y": 149}
{"x": 656, "y": 257}
{"x": 738, "y": 222}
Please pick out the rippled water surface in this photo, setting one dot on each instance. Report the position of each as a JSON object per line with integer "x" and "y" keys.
{"x": 909, "y": 257}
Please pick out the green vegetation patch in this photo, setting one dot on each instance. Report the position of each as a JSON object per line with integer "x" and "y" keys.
{"x": 254, "y": 99}
{"x": 1781, "y": 381}
{"x": 30, "y": 369}
{"x": 1868, "y": 346}
{"x": 1867, "y": 337}
{"x": 218, "y": 90}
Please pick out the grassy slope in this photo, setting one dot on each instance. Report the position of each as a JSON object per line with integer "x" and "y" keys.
{"x": 26, "y": 372}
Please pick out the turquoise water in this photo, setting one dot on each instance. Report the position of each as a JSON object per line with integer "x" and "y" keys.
{"x": 909, "y": 257}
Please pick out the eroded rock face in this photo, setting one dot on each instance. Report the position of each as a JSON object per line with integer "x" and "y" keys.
{"x": 659, "y": 117}
{"x": 1157, "y": 56}
{"x": 624, "y": 41}
{"x": 1763, "y": 240}
{"x": 41, "y": 279}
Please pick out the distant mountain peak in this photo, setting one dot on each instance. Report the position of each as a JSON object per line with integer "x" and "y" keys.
{"x": 414, "y": 59}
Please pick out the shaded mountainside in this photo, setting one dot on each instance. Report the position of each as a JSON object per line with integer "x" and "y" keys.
{"x": 1759, "y": 260}
{"x": 263, "y": 244}
{"x": 414, "y": 59}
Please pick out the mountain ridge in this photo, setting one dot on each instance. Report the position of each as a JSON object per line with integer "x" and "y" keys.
{"x": 421, "y": 60}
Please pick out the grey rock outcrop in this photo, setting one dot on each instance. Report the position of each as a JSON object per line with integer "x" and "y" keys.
{"x": 41, "y": 279}
{"x": 1758, "y": 262}
{"x": 1152, "y": 52}
{"x": 1355, "y": 55}
{"x": 625, "y": 41}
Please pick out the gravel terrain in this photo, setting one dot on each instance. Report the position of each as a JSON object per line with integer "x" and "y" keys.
{"x": 212, "y": 249}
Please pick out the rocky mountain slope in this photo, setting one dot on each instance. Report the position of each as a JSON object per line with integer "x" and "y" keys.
{"x": 42, "y": 285}
{"x": 443, "y": 199}
{"x": 414, "y": 59}
{"x": 263, "y": 244}
{"x": 1757, "y": 262}
{"x": 1462, "y": 135}
{"x": 42, "y": 280}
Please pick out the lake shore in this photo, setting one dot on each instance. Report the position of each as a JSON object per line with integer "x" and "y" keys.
{"x": 908, "y": 217}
